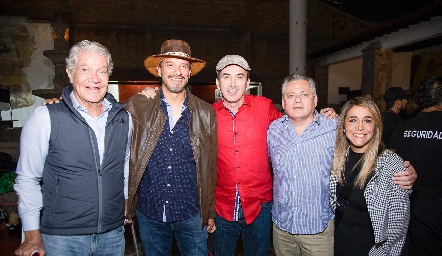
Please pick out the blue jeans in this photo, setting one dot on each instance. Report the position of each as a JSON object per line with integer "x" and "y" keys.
{"x": 255, "y": 236}
{"x": 157, "y": 237}
{"x": 106, "y": 244}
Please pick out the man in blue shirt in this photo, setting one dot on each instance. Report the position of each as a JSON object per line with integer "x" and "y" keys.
{"x": 301, "y": 145}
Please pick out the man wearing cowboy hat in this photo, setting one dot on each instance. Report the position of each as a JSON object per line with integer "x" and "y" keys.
{"x": 173, "y": 158}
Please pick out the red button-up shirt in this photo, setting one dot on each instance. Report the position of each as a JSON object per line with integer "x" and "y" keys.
{"x": 243, "y": 156}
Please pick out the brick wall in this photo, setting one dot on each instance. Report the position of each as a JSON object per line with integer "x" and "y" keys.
{"x": 135, "y": 29}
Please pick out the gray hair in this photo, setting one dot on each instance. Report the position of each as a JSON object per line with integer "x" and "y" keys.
{"x": 84, "y": 46}
{"x": 295, "y": 77}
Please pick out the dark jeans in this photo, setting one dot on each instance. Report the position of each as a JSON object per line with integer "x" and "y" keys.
{"x": 157, "y": 237}
{"x": 256, "y": 236}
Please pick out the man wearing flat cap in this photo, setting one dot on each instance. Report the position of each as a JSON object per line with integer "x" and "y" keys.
{"x": 173, "y": 158}
{"x": 395, "y": 100}
{"x": 244, "y": 184}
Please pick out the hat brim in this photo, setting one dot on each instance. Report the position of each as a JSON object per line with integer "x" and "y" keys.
{"x": 151, "y": 63}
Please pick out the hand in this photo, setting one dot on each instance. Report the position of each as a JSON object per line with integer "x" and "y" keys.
{"x": 405, "y": 179}
{"x": 149, "y": 92}
{"x": 211, "y": 226}
{"x": 51, "y": 101}
{"x": 31, "y": 244}
{"x": 329, "y": 113}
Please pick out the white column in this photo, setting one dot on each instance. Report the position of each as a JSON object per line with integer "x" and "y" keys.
{"x": 297, "y": 36}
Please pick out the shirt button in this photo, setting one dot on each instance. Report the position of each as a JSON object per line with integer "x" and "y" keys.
{"x": 236, "y": 150}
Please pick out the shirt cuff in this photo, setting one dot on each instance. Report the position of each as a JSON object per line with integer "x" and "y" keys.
{"x": 30, "y": 222}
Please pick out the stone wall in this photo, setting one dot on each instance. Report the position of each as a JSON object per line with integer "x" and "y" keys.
{"x": 23, "y": 66}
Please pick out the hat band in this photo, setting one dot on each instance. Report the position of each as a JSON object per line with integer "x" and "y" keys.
{"x": 181, "y": 54}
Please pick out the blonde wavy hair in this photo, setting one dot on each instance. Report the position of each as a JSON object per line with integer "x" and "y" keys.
{"x": 375, "y": 144}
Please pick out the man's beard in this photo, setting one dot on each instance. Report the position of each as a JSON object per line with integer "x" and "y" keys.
{"x": 174, "y": 89}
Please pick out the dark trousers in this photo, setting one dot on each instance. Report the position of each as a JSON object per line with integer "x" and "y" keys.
{"x": 425, "y": 229}
{"x": 353, "y": 240}
{"x": 256, "y": 235}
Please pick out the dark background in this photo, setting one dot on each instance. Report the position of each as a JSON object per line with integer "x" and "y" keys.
{"x": 378, "y": 10}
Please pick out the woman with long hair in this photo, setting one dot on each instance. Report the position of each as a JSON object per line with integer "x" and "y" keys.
{"x": 371, "y": 213}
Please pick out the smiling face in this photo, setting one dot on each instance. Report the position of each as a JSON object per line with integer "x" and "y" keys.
{"x": 175, "y": 74}
{"x": 298, "y": 100}
{"x": 233, "y": 82}
{"x": 359, "y": 128}
{"x": 90, "y": 78}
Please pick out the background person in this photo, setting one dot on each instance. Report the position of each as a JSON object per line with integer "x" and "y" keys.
{"x": 396, "y": 101}
{"x": 73, "y": 165}
{"x": 420, "y": 140}
{"x": 372, "y": 213}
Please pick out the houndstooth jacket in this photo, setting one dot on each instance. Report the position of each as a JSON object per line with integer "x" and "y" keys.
{"x": 388, "y": 205}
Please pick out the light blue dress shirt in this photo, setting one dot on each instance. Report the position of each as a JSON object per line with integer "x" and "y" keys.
{"x": 34, "y": 145}
{"x": 301, "y": 166}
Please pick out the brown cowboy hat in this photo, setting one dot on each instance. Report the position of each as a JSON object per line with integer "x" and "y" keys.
{"x": 173, "y": 49}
